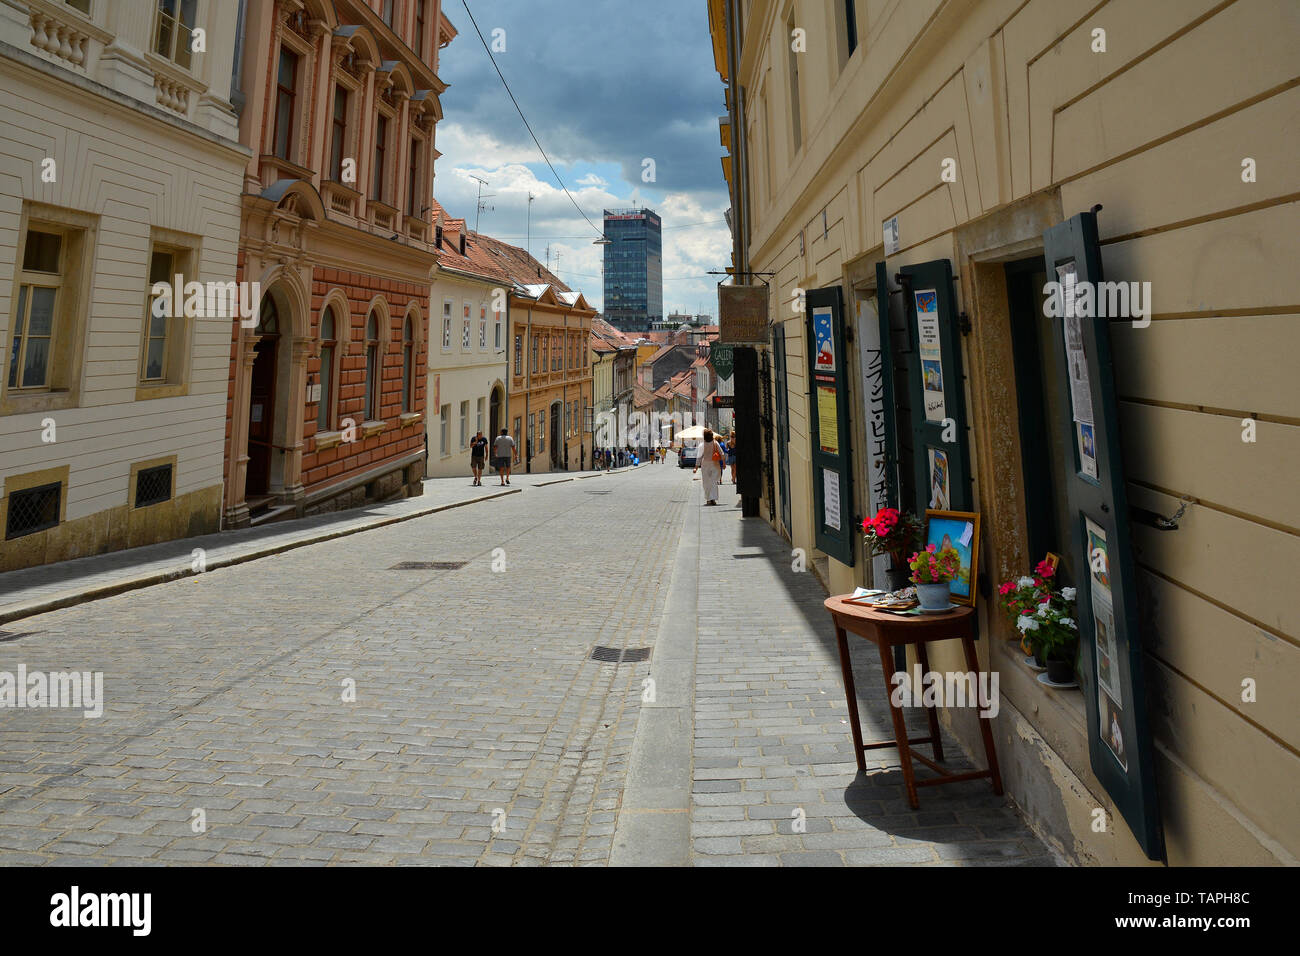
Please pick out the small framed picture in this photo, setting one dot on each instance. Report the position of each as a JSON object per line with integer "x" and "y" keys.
{"x": 1053, "y": 560}
{"x": 959, "y": 530}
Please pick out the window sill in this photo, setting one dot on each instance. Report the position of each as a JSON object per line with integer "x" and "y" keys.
{"x": 370, "y": 429}
{"x": 409, "y": 418}
{"x": 18, "y": 403}
{"x": 326, "y": 440}
{"x": 146, "y": 392}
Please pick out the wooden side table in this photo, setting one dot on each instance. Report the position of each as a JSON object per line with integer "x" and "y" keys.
{"x": 891, "y": 630}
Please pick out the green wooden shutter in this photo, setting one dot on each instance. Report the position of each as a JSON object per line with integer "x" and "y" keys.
{"x": 1114, "y": 689}
{"x": 941, "y": 454}
{"x": 828, "y": 413}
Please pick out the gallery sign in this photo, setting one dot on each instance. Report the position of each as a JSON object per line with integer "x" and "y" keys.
{"x": 742, "y": 314}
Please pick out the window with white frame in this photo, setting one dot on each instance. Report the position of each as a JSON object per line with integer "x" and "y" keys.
{"x": 444, "y": 431}
{"x": 446, "y": 324}
{"x": 464, "y": 424}
{"x": 40, "y": 285}
{"x": 173, "y": 35}
{"x": 465, "y": 326}
{"x": 482, "y": 327}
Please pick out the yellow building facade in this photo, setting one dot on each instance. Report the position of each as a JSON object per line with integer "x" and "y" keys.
{"x": 870, "y": 139}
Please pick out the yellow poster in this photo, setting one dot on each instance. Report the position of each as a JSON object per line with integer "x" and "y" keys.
{"x": 828, "y": 420}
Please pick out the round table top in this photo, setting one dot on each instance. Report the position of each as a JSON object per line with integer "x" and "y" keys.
{"x": 835, "y": 604}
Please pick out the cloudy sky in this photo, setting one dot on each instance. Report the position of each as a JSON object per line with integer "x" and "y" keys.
{"x": 605, "y": 84}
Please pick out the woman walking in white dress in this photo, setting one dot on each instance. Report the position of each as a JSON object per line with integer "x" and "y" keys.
{"x": 709, "y": 457}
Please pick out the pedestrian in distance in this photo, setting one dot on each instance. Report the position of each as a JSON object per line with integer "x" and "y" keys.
{"x": 477, "y": 454}
{"x": 709, "y": 456}
{"x": 503, "y": 453}
{"x": 731, "y": 455}
{"x": 722, "y": 443}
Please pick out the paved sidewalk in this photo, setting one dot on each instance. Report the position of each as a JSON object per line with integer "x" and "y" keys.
{"x": 771, "y": 739}
{"x": 49, "y": 587}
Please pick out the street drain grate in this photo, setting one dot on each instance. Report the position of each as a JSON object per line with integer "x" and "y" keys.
{"x": 612, "y": 655}
{"x": 428, "y": 566}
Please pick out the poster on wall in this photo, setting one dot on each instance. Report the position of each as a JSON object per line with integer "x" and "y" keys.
{"x": 1087, "y": 435}
{"x": 828, "y": 423}
{"x": 931, "y": 353}
{"x": 940, "y": 496}
{"x": 1110, "y": 696}
{"x": 831, "y": 497}
{"x": 824, "y": 341}
{"x": 871, "y": 364}
{"x": 1076, "y": 359}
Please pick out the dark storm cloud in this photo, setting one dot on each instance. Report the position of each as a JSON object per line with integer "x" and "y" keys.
{"x": 599, "y": 80}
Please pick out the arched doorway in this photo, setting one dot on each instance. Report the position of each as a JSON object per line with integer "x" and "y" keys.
{"x": 494, "y": 412}
{"x": 262, "y": 404}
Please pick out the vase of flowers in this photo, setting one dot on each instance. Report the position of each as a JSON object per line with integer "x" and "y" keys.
{"x": 897, "y": 534}
{"x": 1044, "y": 617}
{"x": 933, "y": 572}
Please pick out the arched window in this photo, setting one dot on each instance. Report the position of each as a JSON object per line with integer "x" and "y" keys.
{"x": 372, "y": 367}
{"x": 408, "y": 366}
{"x": 325, "y": 410}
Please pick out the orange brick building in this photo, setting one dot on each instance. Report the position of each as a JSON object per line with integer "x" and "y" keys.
{"x": 326, "y": 399}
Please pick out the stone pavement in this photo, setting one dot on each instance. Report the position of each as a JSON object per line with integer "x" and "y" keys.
{"x": 48, "y": 587}
{"x": 481, "y": 729}
{"x": 772, "y": 742}
{"x": 320, "y": 706}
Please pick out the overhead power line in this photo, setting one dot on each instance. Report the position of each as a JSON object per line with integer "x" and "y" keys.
{"x": 488, "y": 50}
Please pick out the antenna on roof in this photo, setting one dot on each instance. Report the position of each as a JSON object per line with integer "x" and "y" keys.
{"x": 479, "y": 204}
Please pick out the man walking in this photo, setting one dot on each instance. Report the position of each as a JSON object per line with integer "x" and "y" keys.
{"x": 503, "y": 451}
{"x": 477, "y": 453}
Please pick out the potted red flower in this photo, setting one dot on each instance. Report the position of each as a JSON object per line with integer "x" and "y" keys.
{"x": 895, "y": 533}
{"x": 933, "y": 572}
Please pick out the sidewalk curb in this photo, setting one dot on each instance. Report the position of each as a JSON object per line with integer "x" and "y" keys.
{"x": 653, "y": 827}
{"x": 33, "y": 608}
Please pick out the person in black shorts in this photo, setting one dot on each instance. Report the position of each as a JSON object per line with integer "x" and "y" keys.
{"x": 477, "y": 453}
{"x": 503, "y": 452}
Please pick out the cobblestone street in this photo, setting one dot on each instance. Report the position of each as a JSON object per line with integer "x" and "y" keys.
{"x": 482, "y": 731}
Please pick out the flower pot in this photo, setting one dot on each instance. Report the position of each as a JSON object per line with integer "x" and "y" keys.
{"x": 1034, "y": 663}
{"x": 933, "y": 597}
{"x": 1060, "y": 672}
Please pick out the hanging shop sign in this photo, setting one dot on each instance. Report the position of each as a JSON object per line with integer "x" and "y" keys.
{"x": 742, "y": 314}
{"x": 1120, "y": 746}
{"x": 831, "y": 453}
{"x": 722, "y": 358}
{"x": 872, "y": 362}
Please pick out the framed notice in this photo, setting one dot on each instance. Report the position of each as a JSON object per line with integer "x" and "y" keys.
{"x": 931, "y": 349}
{"x": 827, "y": 420}
{"x": 831, "y": 473}
{"x": 1112, "y": 663}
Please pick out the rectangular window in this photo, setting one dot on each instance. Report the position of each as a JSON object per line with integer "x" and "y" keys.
{"x": 339, "y": 135}
{"x": 541, "y": 431}
{"x": 285, "y": 95}
{"x": 496, "y": 333}
{"x": 519, "y": 355}
{"x": 482, "y": 327}
{"x": 388, "y": 12}
{"x": 534, "y": 348}
{"x": 153, "y": 361}
{"x": 419, "y": 27}
{"x": 481, "y": 406}
{"x": 464, "y": 332}
{"x": 33, "y": 509}
{"x": 153, "y": 486}
{"x": 528, "y": 452}
{"x": 82, "y": 5}
{"x": 464, "y": 424}
{"x": 446, "y": 324}
{"x": 846, "y": 29}
{"x": 174, "y": 31}
{"x": 568, "y": 419}
{"x": 444, "y": 431}
{"x": 381, "y": 150}
{"x": 40, "y": 283}
{"x": 413, "y": 183}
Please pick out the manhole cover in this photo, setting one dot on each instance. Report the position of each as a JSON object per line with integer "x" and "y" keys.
{"x": 612, "y": 655}
{"x": 428, "y": 565}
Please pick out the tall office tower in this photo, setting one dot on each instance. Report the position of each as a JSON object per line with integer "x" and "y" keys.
{"x": 634, "y": 277}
